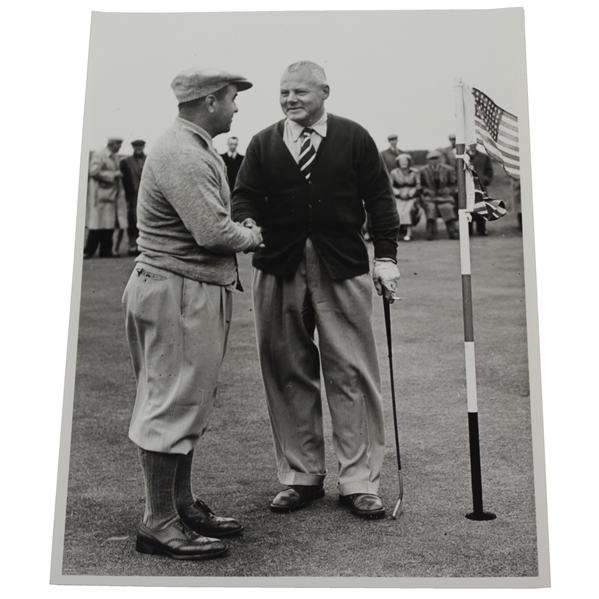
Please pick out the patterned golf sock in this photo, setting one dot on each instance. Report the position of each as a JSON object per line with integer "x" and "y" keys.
{"x": 159, "y": 474}
{"x": 183, "y": 490}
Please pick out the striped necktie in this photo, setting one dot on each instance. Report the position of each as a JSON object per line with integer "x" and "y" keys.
{"x": 307, "y": 153}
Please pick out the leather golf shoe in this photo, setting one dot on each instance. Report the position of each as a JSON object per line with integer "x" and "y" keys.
{"x": 365, "y": 505}
{"x": 296, "y": 497}
{"x": 203, "y": 521}
{"x": 178, "y": 541}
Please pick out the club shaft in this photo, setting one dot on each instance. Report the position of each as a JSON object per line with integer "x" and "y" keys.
{"x": 390, "y": 351}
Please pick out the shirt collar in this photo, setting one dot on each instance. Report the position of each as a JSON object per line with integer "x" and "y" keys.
{"x": 320, "y": 127}
{"x": 184, "y": 124}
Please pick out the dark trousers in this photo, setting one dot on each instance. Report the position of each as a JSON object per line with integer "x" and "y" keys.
{"x": 99, "y": 237}
{"x": 480, "y": 222}
{"x": 132, "y": 230}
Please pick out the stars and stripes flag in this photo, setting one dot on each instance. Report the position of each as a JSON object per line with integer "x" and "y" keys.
{"x": 494, "y": 128}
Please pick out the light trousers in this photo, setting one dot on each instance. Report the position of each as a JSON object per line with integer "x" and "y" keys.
{"x": 177, "y": 331}
{"x": 287, "y": 313}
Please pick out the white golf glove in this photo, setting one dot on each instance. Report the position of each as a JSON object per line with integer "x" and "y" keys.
{"x": 385, "y": 276}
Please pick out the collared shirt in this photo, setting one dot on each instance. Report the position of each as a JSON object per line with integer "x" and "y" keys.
{"x": 231, "y": 154}
{"x": 292, "y": 135}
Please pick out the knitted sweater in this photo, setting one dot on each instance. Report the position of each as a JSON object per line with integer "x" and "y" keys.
{"x": 347, "y": 175}
{"x": 183, "y": 211}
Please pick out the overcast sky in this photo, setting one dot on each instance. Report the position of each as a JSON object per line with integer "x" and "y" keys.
{"x": 389, "y": 71}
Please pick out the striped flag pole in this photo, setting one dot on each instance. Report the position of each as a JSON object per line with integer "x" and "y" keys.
{"x": 466, "y": 205}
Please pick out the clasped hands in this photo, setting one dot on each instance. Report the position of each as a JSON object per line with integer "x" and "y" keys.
{"x": 256, "y": 232}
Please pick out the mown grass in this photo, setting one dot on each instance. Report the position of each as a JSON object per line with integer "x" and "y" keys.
{"x": 234, "y": 468}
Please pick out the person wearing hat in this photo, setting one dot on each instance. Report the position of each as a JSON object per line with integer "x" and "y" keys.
{"x": 405, "y": 180}
{"x": 308, "y": 180}
{"x": 448, "y": 154}
{"x": 439, "y": 187}
{"x": 177, "y": 306}
{"x": 391, "y": 153}
{"x": 105, "y": 195}
{"x": 131, "y": 167}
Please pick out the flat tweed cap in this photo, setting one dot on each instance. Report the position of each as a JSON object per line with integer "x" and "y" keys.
{"x": 196, "y": 82}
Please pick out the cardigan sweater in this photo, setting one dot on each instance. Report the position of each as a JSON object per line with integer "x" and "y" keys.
{"x": 347, "y": 176}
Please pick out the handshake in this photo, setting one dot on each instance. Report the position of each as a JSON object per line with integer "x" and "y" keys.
{"x": 255, "y": 233}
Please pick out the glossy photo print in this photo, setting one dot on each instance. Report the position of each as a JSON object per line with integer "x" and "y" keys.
{"x": 303, "y": 338}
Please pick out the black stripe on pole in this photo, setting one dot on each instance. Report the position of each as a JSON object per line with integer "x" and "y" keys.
{"x": 467, "y": 307}
{"x": 477, "y": 488}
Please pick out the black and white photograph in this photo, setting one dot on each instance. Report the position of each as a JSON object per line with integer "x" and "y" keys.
{"x": 303, "y": 344}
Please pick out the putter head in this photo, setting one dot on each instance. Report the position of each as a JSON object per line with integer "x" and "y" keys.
{"x": 397, "y": 509}
{"x": 398, "y": 504}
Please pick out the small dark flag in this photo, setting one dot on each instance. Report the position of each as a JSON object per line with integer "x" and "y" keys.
{"x": 487, "y": 207}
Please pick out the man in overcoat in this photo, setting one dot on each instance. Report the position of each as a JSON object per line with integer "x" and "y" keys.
{"x": 439, "y": 188}
{"x": 178, "y": 310}
{"x": 306, "y": 181}
{"x": 391, "y": 153}
{"x": 105, "y": 194}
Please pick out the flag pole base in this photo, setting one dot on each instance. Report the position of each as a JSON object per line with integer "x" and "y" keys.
{"x": 481, "y": 516}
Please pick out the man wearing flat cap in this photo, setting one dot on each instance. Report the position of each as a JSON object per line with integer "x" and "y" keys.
{"x": 439, "y": 188}
{"x": 448, "y": 154}
{"x": 105, "y": 197}
{"x": 131, "y": 167}
{"x": 306, "y": 181}
{"x": 178, "y": 308}
{"x": 391, "y": 153}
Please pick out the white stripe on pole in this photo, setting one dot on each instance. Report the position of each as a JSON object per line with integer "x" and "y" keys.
{"x": 470, "y": 376}
{"x": 463, "y": 218}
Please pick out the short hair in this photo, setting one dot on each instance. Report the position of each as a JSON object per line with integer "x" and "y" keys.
{"x": 233, "y": 137}
{"x": 314, "y": 68}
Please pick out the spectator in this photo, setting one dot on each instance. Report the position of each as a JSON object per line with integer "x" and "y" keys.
{"x": 104, "y": 193}
{"x": 448, "y": 154}
{"x": 439, "y": 186}
{"x": 391, "y": 153}
{"x": 307, "y": 180}
{"x": 132, "y": 167}
{"x": 232, "y": 160}
{"x": 405, "y": 180}
{"x": 481, "y": 163}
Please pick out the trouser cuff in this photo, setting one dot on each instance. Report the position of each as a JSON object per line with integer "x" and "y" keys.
{"x": 301, "y": 478}
{"x": 359, "y": 487}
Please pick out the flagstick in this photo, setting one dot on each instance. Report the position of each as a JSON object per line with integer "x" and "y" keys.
{"x": 465, "y": 207}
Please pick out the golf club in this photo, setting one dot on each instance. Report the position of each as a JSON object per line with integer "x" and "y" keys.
{"x": 390, "y": 349}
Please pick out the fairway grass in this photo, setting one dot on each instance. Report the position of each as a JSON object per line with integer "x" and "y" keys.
{"x": 234, "y": 470}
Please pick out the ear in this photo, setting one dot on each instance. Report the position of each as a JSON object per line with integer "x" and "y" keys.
{"x": 326, "y": 90}
{"x": 209, "y": 103}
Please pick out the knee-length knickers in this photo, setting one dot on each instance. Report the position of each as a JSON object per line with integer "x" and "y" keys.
{"x": 287, "y": 312}
{"x": 177, "y": 332}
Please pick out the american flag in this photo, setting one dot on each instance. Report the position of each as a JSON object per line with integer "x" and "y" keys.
{"x": 497, "y": 131}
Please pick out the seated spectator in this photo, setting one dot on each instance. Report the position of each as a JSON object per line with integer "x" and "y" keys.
{"x": 439, "y": 186}
{"x": 405, "y": 180}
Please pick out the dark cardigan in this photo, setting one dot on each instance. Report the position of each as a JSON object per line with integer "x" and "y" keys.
{"x": 348, "y": 175}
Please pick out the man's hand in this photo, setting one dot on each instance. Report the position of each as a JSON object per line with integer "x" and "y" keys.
{"x": 256, "y": 231}
{"x": 385, "y": 275}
